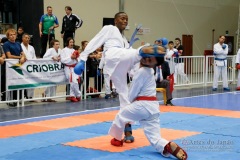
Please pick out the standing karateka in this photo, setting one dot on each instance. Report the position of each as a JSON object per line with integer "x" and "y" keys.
{"x": 119, "y": 58}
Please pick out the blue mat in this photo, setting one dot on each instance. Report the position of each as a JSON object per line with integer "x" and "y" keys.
{"x": 45, "y": 139}
{"x": 226, "y": 101}
{"x": 201, "y": 124}
{"x": 211, "y": 146}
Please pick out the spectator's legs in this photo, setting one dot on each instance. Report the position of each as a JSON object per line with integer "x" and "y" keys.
{"x": 44, "y": 40}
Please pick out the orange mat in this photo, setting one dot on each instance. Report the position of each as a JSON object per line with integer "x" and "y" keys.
{"x": 19, "y": 130}
{"x": 103, "y": 142}
{"x": 54, "y": 124}
{"x": 81, "y": 120}
{"x": 204, "y": 111}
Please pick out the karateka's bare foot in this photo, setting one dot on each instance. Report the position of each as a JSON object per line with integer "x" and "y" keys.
{"x": 175, "y": 150}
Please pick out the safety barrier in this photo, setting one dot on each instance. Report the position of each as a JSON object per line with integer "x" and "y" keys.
{"x": 197, "y": 69}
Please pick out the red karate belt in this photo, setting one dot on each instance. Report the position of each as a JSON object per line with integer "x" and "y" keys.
{"x": 145, "y": 98}
{"x": 71, "y": 66}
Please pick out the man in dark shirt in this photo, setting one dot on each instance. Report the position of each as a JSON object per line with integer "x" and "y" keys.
{"x": 163, "y": 80}
{"x": 69, "y": 24}
{"x": 179, "y": 63}
{"x": 13, "y": 50}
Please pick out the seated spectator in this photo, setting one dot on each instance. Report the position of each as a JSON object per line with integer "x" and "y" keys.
{"x": 162, "y": 80}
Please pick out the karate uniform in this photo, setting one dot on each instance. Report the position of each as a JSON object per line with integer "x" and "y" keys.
{"x": 118, "y": 58}
{"x": 169, "y": 58}
{"x": 68, "y": 69}
{"x": 51, "y": 52}
{"x": 30, "y": 54}
{"x": 220, "y": 64}
{"x": 238, "y": 61}
{"x": 146, "y": 112}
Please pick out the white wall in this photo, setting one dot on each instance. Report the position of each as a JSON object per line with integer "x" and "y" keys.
{"x": 165, "y": 18}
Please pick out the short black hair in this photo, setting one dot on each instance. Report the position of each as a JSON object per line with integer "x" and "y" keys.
{"x": 170, "y": 42}
{"x": 178, "y": 39}
{"x": 117, "y": 14}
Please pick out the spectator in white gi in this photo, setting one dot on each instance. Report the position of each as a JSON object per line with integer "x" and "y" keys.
{"x": 169, "y": 57}
{"x": 30, "y": 54}
{"x": 52, "y": 53}
{"x": 69, "y": 58}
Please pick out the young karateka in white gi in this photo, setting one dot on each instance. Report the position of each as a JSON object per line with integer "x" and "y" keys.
{"x": 238, "y": 68}
{"x": 119, "y": 58}
{"x": 220, "y": 52}
{"x": 169, "y": 57}
{"x": 144, "y": 108}
{"x": 30, "y": 54}
{"x": 69, "y": 58}
{"x": 52, "y": 53}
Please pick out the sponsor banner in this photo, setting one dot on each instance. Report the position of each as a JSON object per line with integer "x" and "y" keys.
{"x": 34, "y": 74}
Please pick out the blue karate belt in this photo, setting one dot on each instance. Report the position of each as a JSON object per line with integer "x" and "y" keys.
{"x": 220, "y": 59}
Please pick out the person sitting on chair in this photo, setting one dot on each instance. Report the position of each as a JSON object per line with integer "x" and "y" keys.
{"x": 163, "y": 81}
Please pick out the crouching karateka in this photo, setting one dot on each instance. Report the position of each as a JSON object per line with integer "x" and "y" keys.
{"x": 144, "y": 108}
{"x": 69, "y": 58}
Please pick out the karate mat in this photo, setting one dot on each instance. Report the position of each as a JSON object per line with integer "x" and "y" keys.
{"x": 207, "y": 130}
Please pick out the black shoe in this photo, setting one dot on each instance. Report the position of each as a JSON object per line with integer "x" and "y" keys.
{"x": 169, "y": 103}
{"x": 114, "y": 94}
{"x": 12, "y": 105}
